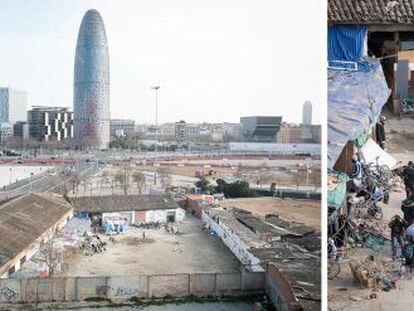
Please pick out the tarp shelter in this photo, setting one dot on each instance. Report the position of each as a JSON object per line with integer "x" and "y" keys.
{"x": 372, "y": 153}
{"x": 337, "y": 189}
{"x": 354, "y": 101}
{"x": 346, "y": 43}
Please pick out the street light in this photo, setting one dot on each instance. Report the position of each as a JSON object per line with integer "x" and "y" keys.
{"x": 156, "y": 88}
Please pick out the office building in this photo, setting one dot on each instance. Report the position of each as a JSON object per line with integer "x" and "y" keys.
{"x": 260, "y": 128}
{"x": 13, "y": 105}
{"x": 50, "y": 123}
{"x": 91, "y": 84}
{"x": 307, "y": 113}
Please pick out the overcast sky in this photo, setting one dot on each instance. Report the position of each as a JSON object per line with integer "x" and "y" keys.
{"x": 216, "y": 60}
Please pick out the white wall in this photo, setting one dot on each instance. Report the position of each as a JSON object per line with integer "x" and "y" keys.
{"x": 234, "y": 243}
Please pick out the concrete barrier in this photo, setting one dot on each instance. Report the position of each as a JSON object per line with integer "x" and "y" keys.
{"x": 118, "y": 288}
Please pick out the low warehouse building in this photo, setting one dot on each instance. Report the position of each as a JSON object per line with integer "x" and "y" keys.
{"x": 25, "y": 223}
{"x": 130, "y": 209}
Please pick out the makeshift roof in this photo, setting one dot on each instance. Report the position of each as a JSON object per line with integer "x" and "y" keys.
{"x": 355, "y": 99}
{"x": 371, "y": 12}
{"x": 119, "y": 203}
{"x": 25, "y": 219}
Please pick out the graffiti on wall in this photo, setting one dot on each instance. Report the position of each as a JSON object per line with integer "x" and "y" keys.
{"x": 8, "y": 293}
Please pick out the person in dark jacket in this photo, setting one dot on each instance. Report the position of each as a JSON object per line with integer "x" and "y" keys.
{"x": 397, "y": 226}
{"x": 408, "y": 178}
{"x": 380, "y": 132}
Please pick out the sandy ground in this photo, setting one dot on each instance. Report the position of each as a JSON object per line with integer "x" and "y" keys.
{"x": 303, "y": 211}
{"x": 343, "y": 291}
{"x": 193, "y": 251}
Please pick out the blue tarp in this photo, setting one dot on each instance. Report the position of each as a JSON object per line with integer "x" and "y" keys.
{"x": 346, "y": 43}
{"x": 354, "y": 101}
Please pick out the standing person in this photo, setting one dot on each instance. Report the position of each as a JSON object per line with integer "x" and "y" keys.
{"x": 398, "y": 226}
{"x": 356, "y": 173}
{"x": 408, "y": 178}
{"x": 380, "y": 132}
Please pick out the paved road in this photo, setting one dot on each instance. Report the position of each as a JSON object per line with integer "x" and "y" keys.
{"x": 52, "y": 180}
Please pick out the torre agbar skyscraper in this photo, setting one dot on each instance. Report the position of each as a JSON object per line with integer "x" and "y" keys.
{"x": 91, "y": 84}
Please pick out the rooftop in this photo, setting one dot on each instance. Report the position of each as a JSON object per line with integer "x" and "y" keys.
{"x": 291, "y": 247}
{"x": 26, "y": 218}
{"x": 371, "y": 12}
{"x": 118, "y": 203}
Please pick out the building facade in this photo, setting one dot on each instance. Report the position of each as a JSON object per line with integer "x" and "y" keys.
{"x": 6, "y": 132}
{"x": 21, "y": 130}
{"x": 91, "y": 84}
{"x": 260, "y": 128}
{"x": 50, "y": 123}
{"x": 299, "y": 133}
{"x": 13, "y": 105}
{"x": 181, "y": 132}
{"x": 121, "y": 127}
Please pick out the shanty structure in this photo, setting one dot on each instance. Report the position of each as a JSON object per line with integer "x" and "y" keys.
{"x": 132, "y": 208}
{"x": 25, "y": 223}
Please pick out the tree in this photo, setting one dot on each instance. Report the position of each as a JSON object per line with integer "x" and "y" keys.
{"x": 237, "y": 189}
{"x": 204, "y": 184}
{"x": 122, "y": 178}
{"x": 50, "y": 255}
{"x": 140, "y": 179}
{"x": 240, "y": 173}
{"x": 166, "y": 181}
{"x": 75, "y": 179}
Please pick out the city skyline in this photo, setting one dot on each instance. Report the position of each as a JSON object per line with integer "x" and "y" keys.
{"x": 198, "y": 62}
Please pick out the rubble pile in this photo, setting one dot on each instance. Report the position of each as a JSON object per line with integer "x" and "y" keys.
{"x": 371, "y": 273}
{"x": 92, "y": 244}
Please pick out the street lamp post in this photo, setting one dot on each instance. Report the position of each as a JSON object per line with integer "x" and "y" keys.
{"x": 156, "y": 88}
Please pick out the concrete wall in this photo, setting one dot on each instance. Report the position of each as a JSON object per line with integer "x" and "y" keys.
{"x": 279, "y": 290}
{"x": 233, "y": 242}
{"x": 125, "y": 287}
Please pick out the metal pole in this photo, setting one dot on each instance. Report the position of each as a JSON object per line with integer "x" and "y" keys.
{"x": 156, "y": 88}
{"x": 156, "y": 136}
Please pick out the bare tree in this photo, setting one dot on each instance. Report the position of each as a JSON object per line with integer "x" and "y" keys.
{"x": 122, "y": 178}
{"x": 51, "y": 255}
{"x": 240, "y": 173}
{"x": 166, "y": 181}
{"x": 75, "y": 179}
{"x": 140, "y": 179}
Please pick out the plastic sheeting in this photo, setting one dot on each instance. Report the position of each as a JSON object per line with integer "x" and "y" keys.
{"x": 346, "y": 43}
{"x": 372, "y": 153}
{"x": 354, "y": 101}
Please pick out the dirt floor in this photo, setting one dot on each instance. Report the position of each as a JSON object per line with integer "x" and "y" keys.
{"x": 194, "y": 250}
{"x": 304, "y": 211}
{"x": 344, "y": 292}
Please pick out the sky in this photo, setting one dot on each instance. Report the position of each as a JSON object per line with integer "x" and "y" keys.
{"x": 216, "y": 60}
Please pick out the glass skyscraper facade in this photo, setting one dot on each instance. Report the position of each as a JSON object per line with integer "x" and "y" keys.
{"x": 91, "y": 84}
{"x": 13, "y": 105}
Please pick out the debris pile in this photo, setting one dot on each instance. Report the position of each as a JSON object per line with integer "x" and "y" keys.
{"x": 92, "y": 244}
{"x": 371, "y": 273}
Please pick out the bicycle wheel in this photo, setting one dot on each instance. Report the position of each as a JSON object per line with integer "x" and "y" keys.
{"x": 333, "y": 269}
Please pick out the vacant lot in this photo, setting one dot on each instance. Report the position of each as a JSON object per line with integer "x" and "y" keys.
{"x": 303, "y": 211}
{"x": 194, "y": 250}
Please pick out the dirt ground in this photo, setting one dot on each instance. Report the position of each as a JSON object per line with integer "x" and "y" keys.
{"x": 303, "y": 211}
{"x": 193, "y": 251}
